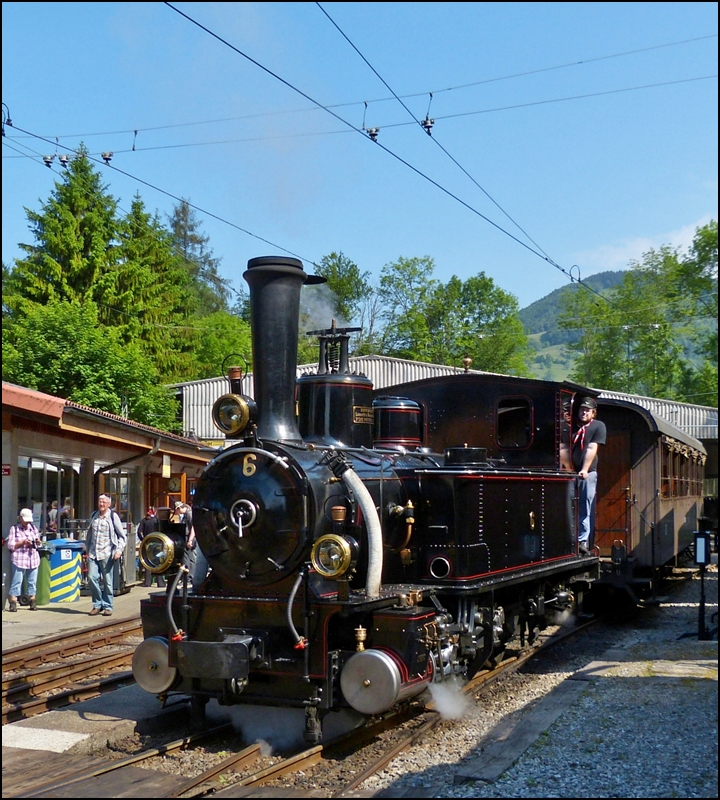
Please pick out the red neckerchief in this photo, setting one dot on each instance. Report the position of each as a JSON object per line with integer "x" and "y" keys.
{"x": 581, "y": 435}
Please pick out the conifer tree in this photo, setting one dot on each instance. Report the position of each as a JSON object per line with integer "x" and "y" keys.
{"x": 210, "y": 291}
{"x": 121, "y": 284}
{"x": 76, "y": 233}
{"x": 149, "y": 293}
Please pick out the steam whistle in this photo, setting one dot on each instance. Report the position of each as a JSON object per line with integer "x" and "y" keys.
{"x": 334, "y": 349}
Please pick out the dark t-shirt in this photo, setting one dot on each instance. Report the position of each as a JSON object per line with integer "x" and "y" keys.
{"x": 594, "y": 431}
{"x": 147, "y": 525}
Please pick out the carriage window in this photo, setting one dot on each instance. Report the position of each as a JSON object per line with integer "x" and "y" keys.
{"x": 682, "y": 469}
{"x": 514, "y": 422}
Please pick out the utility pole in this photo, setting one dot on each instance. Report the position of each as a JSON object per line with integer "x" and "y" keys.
{"x": 627, "y": 371}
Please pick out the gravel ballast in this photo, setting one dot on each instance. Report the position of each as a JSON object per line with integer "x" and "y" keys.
{"x": 642, "y": 723}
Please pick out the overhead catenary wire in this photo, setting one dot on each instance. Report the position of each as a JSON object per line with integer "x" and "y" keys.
{"x": 169, "y": 194}
{"x": 387, "y": 150}
{"x": 384, "y": 126}
{"x": 425, "y": 126}
{"x": 37, "y": 157}
{"x": 488, "y": 80}
{"x": 149, "y": 230}
{"x": 136, "y": 130}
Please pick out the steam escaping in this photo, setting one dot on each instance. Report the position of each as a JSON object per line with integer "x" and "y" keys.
{"x": 279, "y": 729}
{"x": 449, "y": 700}
{"x": 564, "y": 617}
{"x": 318, "y": 306}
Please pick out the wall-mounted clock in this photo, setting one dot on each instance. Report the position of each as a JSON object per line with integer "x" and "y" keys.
{"x": 174, "y": 485}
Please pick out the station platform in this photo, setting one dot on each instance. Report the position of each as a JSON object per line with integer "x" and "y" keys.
{"x": 83, "y": 726}
{"x": 53, "y": 619}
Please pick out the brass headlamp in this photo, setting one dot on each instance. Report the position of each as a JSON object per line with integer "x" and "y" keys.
{"x": 333, "y": 555}
{"x": 159, "y": 552}
{"x": 231, "y": 413}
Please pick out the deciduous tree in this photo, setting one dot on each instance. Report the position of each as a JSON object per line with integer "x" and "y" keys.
{"x": 441, "y": 323}
{"x": 655, "y": 333}
{"x": 63, "y": 350}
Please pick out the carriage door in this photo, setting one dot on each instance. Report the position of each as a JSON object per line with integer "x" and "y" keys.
{"x": 614, "y": 491}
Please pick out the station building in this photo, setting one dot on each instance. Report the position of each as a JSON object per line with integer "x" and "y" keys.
{"x": 57, "y": 450}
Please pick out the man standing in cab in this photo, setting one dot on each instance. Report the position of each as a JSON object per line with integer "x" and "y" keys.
{"x": 591, "y": 433}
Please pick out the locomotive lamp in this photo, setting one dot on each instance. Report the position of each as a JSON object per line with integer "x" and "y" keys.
{"x": 333, "y": 555}
{"x": 161, "y": 551}
{"x": 231, "y": 413}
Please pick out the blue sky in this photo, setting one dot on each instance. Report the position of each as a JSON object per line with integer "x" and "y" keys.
{"x": 594, "y": 181}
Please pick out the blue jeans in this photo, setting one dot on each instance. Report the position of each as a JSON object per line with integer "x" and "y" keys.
{"x": 587, "y": 490}
{"x": 200, "y": 568}
{"x": 100, "y": 578}
{"x": 194, "y": 559}
{"x": 18, "y": 573}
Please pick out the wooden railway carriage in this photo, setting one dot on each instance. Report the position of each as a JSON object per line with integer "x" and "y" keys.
{"x": 650, "y": 485}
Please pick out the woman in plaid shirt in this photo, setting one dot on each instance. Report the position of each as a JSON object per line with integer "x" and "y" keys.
{"x": 23, "y": 541}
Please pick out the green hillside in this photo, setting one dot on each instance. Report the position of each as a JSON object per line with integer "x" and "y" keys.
{"x": 551, "y": 361}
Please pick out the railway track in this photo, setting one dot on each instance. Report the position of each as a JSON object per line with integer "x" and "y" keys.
{"x": 352, "y": 771}
{"x": 67, "y": 668}
{"x": 340, "y": 765}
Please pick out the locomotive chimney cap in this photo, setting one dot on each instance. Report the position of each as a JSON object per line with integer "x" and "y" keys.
{"x": 282, "y": 265}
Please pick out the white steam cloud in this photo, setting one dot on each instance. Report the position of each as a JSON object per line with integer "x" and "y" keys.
{"x": 279, "y": 729}
{"x": 449, "y": 700}
{"x": 317, "y": 308}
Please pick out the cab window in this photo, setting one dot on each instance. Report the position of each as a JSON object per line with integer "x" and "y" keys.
{"x": 514, "y": 422}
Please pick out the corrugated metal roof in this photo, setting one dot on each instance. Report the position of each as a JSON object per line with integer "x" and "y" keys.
{"x": 386, "y": 371}
{"x": 657, "y": 422}
{"x": 698, "y": 421}
{"x": 199, "y": 396}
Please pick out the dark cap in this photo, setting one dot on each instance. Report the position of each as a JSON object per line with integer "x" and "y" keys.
{"x": 588, "y": 402}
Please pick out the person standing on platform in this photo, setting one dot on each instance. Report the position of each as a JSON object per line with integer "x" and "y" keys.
{"x": 194, "y": 558}
{"x": 149, "y": 524}
{"x": 590, "y": 434}
{"x": 104, "y": 544}
{"x": 52, "y": 517}
{"x": 65, "y": 515}
{"x": 23, "y": 542}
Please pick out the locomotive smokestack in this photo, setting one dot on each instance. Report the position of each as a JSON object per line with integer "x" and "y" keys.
{"x": 275, "y": 283}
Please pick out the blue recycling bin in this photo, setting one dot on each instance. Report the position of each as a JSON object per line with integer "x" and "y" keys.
{"x": 66, "y": 570}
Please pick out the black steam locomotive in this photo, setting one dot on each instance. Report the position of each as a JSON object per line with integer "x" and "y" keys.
{"x": 351, "y": 565}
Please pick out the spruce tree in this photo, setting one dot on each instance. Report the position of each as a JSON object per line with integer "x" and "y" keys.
{"x": 210, "y": 291}
{"x": 76, "y": 233}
